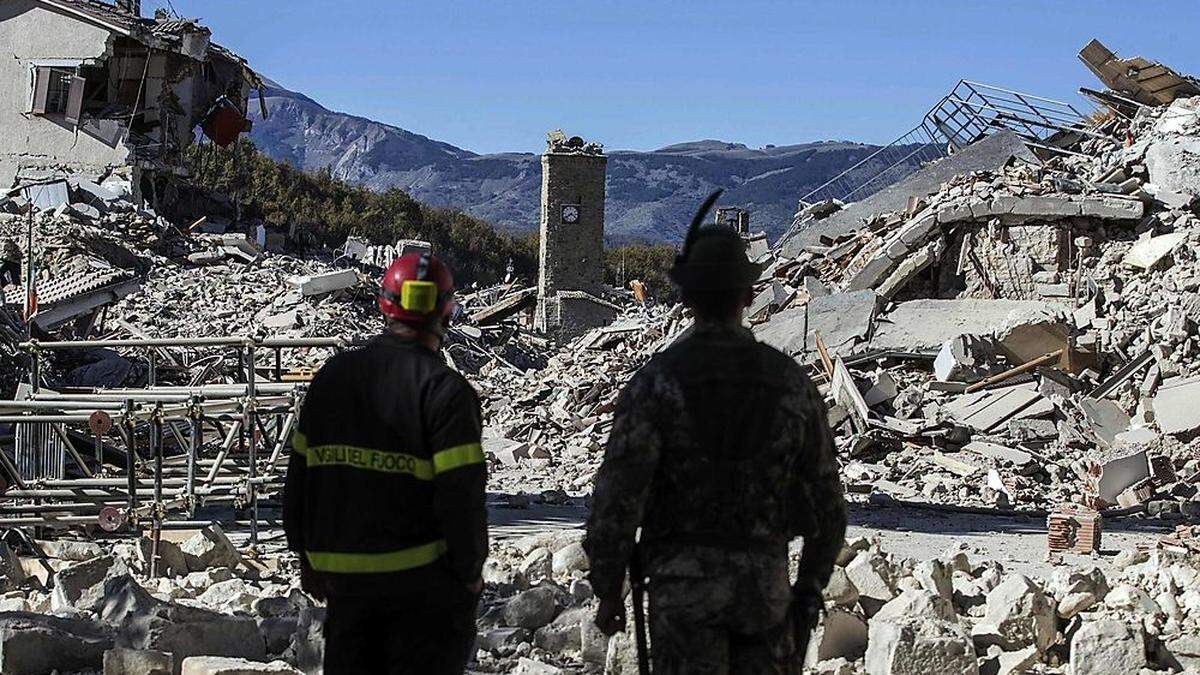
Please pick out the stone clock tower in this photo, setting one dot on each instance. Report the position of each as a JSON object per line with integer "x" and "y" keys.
{"x": 571, "y": 249}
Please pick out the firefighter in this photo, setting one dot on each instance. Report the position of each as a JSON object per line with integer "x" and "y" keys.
{"x": 384, "y": 500}
{"x": 720, "y": 453}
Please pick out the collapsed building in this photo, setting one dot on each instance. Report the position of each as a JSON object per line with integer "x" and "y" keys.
{"x": 98, "y": 91}
{"x": 1005, "y": 333}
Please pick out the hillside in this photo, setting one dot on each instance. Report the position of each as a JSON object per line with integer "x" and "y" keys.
{"x": 651, "y": 195}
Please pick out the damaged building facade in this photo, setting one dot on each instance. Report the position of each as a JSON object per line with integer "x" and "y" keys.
{"x": 99, "y": 91}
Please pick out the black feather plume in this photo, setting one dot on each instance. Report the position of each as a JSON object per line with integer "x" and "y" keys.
{"x": 697, "y": 220}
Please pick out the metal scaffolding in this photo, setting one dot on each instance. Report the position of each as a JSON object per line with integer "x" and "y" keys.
{"x": 151, "y": 457}
{"x": 971, "y": 111}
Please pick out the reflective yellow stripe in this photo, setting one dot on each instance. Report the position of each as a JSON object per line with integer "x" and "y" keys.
{"x": 370, "y": 460}
{"x": 300, "y": 443}
{"x": 459, "y": 455}
{"x": 374, "y": 563}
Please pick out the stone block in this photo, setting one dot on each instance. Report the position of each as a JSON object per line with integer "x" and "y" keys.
{"x": 896, "y": 248}
{"x": 80, "y": 586}
{"x": 913, "y": 645}
{"x": 190, "y": 631}
{"x": 528, "y": 666}
{"x": 934, "y": 577}
{"x": 171, "y": 560}
{"x": 531, "y": 609}
{"x": 869, "y": 572}
{"x": 308, "y": 647}
{"x": 234, "y": 595}
{"x": 277, "y": 632}
{"x": 1017, "y": 614}
{"x": 839, "y": 590}
{"x": 209, "y": 548}
{"x": 564, "y": 632}
{"x": 222, "y": 665}
{"x": 569, "y": 559}
{"x": 34, "y": 644}
{"x": 502, "y": 640}
{"x": 11, "y": 569}
{"x": 120, "y": 661}
{"x": 1107, "y": 646}
{"x": 840, "y": 634}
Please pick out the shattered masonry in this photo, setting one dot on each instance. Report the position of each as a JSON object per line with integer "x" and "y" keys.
{"x": 1017, "y": 341}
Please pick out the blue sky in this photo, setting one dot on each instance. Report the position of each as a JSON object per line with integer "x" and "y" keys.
{"x": 494, "y": 75}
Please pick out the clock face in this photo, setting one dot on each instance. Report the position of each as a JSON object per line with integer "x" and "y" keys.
{"x": 570, "y": 213}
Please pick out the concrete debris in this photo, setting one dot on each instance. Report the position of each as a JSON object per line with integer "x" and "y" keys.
{"x": 998, "y": 334}
{"x": 1107, "y": 646}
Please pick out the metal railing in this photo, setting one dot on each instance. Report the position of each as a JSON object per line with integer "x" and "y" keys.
{"x": 970, "y": 112}
{"x": 145, "y": 456}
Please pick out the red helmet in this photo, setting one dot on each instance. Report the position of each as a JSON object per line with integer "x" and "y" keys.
{"x": 417, "y": 289}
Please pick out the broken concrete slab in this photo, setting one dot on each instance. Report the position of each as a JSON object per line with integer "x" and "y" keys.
{"x": 840, "y": 318}
{"x": 989, "y": 153}
{"x": 1111, "y": 472}
{"x": 988, "y": 409}
{"x": 1112, "y": 207}
{"x": 318, "y": 284}
{"x": 1172, "y": 164}
{"x": 1148, "y": 251}
{"x": 1175, "y": 407}
{"x": 221, "y": 665}
{"x": 925, "y": 325}
{"x": 909, "y": 268}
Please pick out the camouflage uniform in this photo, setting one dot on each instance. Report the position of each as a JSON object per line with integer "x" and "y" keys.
{"x": 721, "y": 452}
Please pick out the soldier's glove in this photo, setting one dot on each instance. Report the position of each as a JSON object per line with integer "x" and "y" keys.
{"x": 807, "y": 605}
{"x": 610, "y": 617}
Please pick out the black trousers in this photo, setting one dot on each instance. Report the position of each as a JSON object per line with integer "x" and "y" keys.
{"x": 428, "y": 631}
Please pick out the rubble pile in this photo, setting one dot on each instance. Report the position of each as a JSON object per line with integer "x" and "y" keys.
{"x": 79, "y": 606}
{"x": 959, "y": 613}
{"x": 1015, "y": 338}
{"x": 545, "y": 429}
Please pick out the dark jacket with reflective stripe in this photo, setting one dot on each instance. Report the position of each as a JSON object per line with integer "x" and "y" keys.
{"x": 386, "y": 479}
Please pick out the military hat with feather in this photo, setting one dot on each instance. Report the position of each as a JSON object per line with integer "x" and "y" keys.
{"x": 713, "y": 256}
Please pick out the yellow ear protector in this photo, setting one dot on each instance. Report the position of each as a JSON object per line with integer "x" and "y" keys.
{"x": 419, "y": 295}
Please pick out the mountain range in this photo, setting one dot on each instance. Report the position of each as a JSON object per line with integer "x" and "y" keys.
{"x": 650, "y": 196}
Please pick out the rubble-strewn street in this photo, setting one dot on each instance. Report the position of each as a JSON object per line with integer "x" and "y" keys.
{"x": 1011, "y": 365}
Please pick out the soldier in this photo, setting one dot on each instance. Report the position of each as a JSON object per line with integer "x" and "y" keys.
{"x": 721, "y": 453}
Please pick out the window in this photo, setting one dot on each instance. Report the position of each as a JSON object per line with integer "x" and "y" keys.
{"x": 58, "y": 91}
